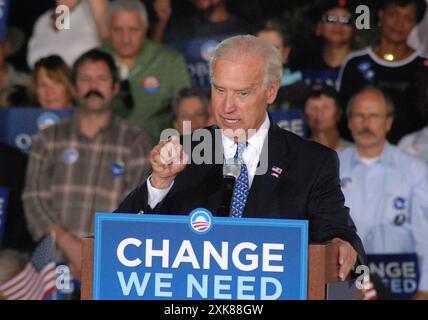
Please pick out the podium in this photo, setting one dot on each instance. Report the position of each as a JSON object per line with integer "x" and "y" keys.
{"x": 322, "y": 269}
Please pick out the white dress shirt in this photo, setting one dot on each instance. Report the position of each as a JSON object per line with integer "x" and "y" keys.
{"x": 250, "y": 156}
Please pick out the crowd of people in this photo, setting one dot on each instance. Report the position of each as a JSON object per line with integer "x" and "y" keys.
{"x": 129, "y": 76}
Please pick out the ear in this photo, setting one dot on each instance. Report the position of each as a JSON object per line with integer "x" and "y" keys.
{"x": 74, "y": 91}
{"x": 338, "y": 114}
{"x": 389, "y": 122}
{"x": 175, "y": 125}
{"x": 380, "y": 16}
{"x": 116, "y": 88}
{"x": 285, "y": 52}
{"x": 272, "y": 91}
{"x": 318, "y": 30}
{"x": 348, "y": 123}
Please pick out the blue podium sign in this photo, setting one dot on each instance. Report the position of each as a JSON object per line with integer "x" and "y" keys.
{"x": 398, "y": 272}
{"x": 292, "y": 120}
{"x": 4, "y": 194}
{"x": 19, "y": 125}
{"x": 199, "y": 257}
{"x": 4, "y": 12}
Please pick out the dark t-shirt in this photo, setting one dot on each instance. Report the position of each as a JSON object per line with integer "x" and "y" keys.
{"x": 314, "y": 69}
{"x": 196, "y": 38}
{"x": 401, "y": 80}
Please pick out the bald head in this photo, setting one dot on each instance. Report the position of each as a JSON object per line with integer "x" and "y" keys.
{"x": 370, "y": 119}
{"x": 371, "y": 95}
{"x": 248, "y": 47}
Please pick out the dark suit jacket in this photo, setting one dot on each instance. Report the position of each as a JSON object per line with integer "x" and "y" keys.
{"x": 308, "y": 188}
{"x": 13, "y": 165}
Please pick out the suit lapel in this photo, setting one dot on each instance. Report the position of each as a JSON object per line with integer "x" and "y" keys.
{"x": 264, "y": 185}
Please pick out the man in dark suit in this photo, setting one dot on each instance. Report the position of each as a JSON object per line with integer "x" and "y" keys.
{"x": 280, "y": 174}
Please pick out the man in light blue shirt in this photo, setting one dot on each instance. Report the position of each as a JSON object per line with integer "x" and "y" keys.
{"x": 385, "y": 188}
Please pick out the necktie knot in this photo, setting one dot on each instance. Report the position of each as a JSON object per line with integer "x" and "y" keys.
{"x": 241, "y": 146}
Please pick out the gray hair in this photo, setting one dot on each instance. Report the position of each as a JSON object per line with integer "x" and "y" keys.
{"x": 390, "y": 109}
{"x": 127, "y": 5}
{"x": 248, "y": 46}
{"x": 11, "y": 263}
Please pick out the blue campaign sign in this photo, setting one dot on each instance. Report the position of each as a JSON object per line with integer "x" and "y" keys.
{"x": 199, "y": 257}
{"x": 292, "y": 120}
{"x": 4, "y": 11}
{"x": 4, "y": 194}
{"x": 398, "y": 272}
{"x": 18, "y": 126}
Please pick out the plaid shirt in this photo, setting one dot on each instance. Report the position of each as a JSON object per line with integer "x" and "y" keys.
{"x": 70, "y": 177}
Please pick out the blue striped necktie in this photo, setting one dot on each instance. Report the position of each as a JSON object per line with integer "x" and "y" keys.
{"x": 241, "y": 190}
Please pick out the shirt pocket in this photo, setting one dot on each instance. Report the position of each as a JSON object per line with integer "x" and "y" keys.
{"x": 391, "y": 232}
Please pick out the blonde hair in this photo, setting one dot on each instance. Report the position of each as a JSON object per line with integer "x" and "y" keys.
{"x": 57, "y": 70}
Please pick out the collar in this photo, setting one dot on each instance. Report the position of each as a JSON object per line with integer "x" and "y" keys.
{"x": 256, "y": 140}
{"x": 386, "y": 157}
{"x": 393, "y": 64}
{"x": 106, "y": 128}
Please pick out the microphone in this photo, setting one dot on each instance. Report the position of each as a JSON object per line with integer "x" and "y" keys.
{"x": 231, "y": 171}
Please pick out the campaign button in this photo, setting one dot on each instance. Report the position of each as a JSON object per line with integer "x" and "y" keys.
{"x": 400, "y": 219}
{"x": 117, "y": 169}
{"x": 151, "y": 84}
{"x": 70, "y": 156}
{"x": 399, "y": 203}
{"x": 207, "y": 49}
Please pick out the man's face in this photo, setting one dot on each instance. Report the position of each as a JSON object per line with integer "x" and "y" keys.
{"x": 239, "y": 98}
{"x": 369, "y": 121}
{"x": 191, "y": 109}
{"x": 321, "y": 113}
{"x": 128, "y": 31}
{"x": 94, "y": 88}
{"x": 397, "y": 22}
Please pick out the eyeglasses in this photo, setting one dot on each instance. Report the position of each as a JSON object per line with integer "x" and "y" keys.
{"x": 127, "y": 98}
{"x": 337, "y": 19}
{"x": 373, "y": 117}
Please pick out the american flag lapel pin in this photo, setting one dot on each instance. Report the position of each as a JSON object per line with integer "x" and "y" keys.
{"x": 276, "y": 171}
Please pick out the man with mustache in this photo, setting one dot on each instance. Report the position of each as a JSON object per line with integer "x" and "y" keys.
{"x": 84, "y": 164}
{"x": 385, "y": 188}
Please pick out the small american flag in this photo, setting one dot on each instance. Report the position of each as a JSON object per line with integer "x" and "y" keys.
{"x": 38, "y": 279}
{"x": 369, "y": 290}
{"x": 276, "y": 171}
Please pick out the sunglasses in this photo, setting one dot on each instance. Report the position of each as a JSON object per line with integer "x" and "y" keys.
{"x": 336, "y": 19}
{"x": 127, "y": 98}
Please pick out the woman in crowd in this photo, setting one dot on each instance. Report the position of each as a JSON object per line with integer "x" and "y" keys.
{"x": 293, "y": 91}
{"x": 322, "y": 113}
{"x": 51, "y": 86}
{"x": 335, "y": 34}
